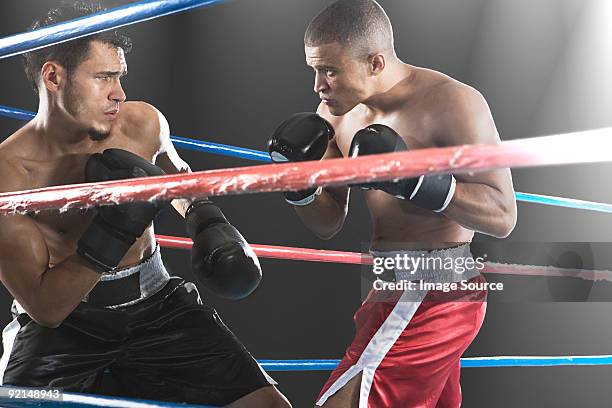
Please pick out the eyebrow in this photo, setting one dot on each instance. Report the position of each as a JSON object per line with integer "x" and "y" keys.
{"x": 323, "y": 67}
{"x": 113, "y": 73}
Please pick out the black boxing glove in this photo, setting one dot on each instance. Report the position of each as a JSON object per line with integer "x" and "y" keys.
{"x": 302, "y": 137}
{"x": 116, "y": 227}
{"x": 221, "y": 258}
{"x": 432, "y": 192}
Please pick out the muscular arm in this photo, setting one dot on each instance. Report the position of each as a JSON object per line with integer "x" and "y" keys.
{"x": 325, "y": 216}
{"x": 169, "y": 161}
{"x": 483, "y": 201}
{"x": 47, "y": 294}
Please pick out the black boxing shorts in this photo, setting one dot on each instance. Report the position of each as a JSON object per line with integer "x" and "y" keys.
{"x": 139, "y": 334}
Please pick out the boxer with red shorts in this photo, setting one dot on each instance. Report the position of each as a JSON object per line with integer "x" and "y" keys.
{"x": 406, "y": 350}
{"x": 403, "y": 348}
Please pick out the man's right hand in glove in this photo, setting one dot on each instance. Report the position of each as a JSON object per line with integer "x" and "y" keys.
{"x": 221, "y": 258}
{"x": 301, "y": 137}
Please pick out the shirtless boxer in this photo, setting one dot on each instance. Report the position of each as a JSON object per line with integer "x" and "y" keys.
{"x": 91, "y": 292}
{"x": 406, "y": 352}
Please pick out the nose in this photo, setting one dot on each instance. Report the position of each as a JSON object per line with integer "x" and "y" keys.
{"x": 117, "y": 93}
{"x": 320, "y": 83}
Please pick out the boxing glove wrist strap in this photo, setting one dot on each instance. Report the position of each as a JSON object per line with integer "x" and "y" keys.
{"x": 434, "y": 192}
{"x": 302, "y": 201}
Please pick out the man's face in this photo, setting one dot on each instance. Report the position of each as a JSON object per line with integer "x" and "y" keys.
{"x": 93, "y": 91}
{"x": 340, "y": 79}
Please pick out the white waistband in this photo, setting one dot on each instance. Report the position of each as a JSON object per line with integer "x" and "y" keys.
{"x": 437, "y": 265}
{"x": 153, "y": 277}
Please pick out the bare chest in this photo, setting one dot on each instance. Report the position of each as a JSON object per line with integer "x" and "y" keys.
{"x": 398, "y": 221}
{"x": 414, "y": 128}
{"x": 62, "y": 229}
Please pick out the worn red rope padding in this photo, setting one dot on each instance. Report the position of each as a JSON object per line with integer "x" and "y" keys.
{"x": 537, "y": 270}
{"x": 319, "y": 255}
{"x": 550, "y": 150}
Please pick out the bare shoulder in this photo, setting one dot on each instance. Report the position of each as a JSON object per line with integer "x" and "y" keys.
{"x": 445, "y": 93}
{"x": 14, "y": 176}
{"x": 461, "y": 113}
{"x": 458, "y": 95}
{"x": 141, "y": 115}
{"x": 145, "y": 122}
{"x": 13, "y": 150}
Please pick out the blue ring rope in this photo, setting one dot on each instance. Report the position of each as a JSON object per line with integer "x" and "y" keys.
{"x": 222, "y": 149}
{"x": 16, "y": 113}
{"x": 106, "y": 20}
{"x": 83, "y": 400}
{"x": 467, "y": 362}
{"x": 564, "y": 202}
{"x": 250, "y": 154}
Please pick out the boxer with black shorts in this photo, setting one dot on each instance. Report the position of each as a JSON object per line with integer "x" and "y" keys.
{"x": 407, "y": 348}
{"x": 92, "y": 295}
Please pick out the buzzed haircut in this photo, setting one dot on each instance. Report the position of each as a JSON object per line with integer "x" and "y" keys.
{"x": 362, "y": 26}
{"x": 69, "y": 54}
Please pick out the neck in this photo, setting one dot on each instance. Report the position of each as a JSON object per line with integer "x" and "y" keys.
{"x": 58, "y": 130}
{"x": 395, "y": 73}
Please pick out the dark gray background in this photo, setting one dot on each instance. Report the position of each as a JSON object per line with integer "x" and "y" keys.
{"x": 231, "y": 72}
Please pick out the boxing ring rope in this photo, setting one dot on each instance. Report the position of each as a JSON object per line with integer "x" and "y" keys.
{"x": 103, "y": 21}
{"x": 466, "y": 362}
{"x": 356, "y": 258}
{"x": 16, "y": 113}
{"x": 564, "y": 202}
{"x": 281, "y": 252}
{"x": 85, "y": 401}
{"x": 250, "y": 154}
{"x": 570, "y": 148}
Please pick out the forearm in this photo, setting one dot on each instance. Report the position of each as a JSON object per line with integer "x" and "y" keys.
{"x": 60, "y": 290}
{"x": 482, "y": 208}
{"x": 182, "y": 204}
{"x": 325, "y": 216}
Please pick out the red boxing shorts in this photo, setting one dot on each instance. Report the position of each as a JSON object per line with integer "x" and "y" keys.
{"x": 408, "y": 343}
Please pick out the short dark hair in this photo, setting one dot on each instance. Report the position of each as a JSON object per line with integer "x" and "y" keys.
{"x": 360, "y": 25}
{"x": 71, "y": 53}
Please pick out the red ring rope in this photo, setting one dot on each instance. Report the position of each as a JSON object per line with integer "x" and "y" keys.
{"x": 356, "y": 258}
{"x": 579, "y": 147}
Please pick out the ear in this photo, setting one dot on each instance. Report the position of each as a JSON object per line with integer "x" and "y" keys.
{"x": 53, "y": 76}
{"x": 376, "y": 63}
